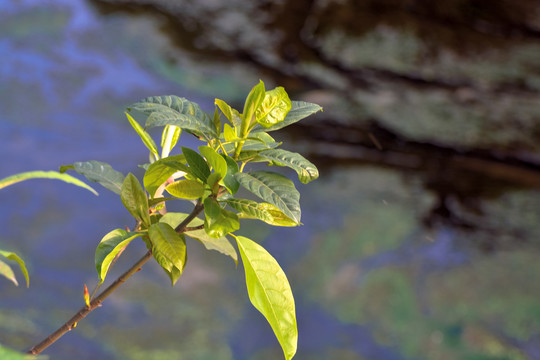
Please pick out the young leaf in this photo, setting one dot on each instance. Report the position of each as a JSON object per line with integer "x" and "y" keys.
{"x": 306, "y": 170}
{"x": 159, "y": 171}
{"x": 270, "y": 293}
{"x": 299, "y": 110}
{"x": 229, "y": 181}
{"x": 215, "y": 160}
{"x": 253, "y": 101}
{"x": 231, "y": 114}
{"x": 100, "y": 172}
{"x": 169, "y": 249}
{"x": 229, "y": 133}
{"x": 173, "y": 110}
{"x": 198, "y": 166}
{"x": 5, "y": 271}
{"x": 249, "y": 209}
{"x": 169, "y": 138}
{"x": 218, "y": 222}
{"x": 275, "y": 189}
{"x": 145, "y": 137}
{"x": 274, "y": 108}
{"x": 134, "y": 199}
{"x": 109, "y": 248}
{"x": 13, "y": 179}
{"x": 186, "y": 189}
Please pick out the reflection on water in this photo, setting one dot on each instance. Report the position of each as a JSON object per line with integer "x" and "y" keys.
{"x": 408, "y": 250}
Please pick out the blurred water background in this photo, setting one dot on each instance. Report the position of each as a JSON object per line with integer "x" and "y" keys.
{"x": 421, "y": 239}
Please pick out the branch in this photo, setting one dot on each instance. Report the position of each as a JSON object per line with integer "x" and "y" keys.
{"x": 96, "y": 302}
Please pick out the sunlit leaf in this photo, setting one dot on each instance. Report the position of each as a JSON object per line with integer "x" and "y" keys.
{"x": 216, "y": 161}
{"x": 13, "y": 179}
{"x": 299, "y": 110}
{"x": 270, "y": 293}
{"x": 134, "y": 199}
{"x": 249, "y": 209}
{"x": 169, "y": 249}
{"x": 198, "y": 166}
{"x": 231, "y": 114}
{"x": 186, "y": 189}
{"x": 5, "y": 271}
{"x": 275, "y": 189}
{"x": 306, "y": 170}
{"x": 169, "y": 138}
{"x": 100, "y": 172}
{"x": 253, "y": 101}
{"x": 220, "y": 244}
{"x": 177, "y": 111}
{"x": 274, "y": 108}
{"x": 218, "y": 222}
{"x": 159, "y": 171}
{"x": 145, "y": 137}
{"x": 108, "y": 249}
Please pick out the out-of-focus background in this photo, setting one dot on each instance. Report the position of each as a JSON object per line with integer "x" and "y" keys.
{"x": 421, "y": 239}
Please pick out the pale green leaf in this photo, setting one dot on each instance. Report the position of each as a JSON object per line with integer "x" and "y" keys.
{"x": 275, "y": 189}
{"x": 13, "y": 179}
{"x": 109, "y": 248}
{"x": 100, "y": 172}
{"x": 218, "y": 222}
{"x": 169, "y": 249}
{"x": 160, "y": 171}
{"x": 220, "y": 244}
{"x": 216, "y": 161}
{"x": 198, "y": 166}
{"x": 270, "y": 293}
{"x": 173, "y": 110}
{"x": 231, "y": 114}
{"x": 145, "y": 137}
{"x": 169, "y": 138}
{"x": 299, "y": 110}
{"x": 186, "y": 189}
{"x": 249, "y": 209}
{"x": 274, "y": 108}
{"x": 253, "y": 101}
{"x": 14, "y": 257}
{"x": 134, "y": 199}
{"x": 7, "y": 272}
{"x": 306, "y": 170}
{"x": 278, "y": 217}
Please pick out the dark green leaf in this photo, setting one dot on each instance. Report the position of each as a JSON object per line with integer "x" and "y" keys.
{"x": 198, "y": 166}
{"x": 270, "y": 293}
{"x": 173, "y": 110}
{"x": 10, "y": 180}
{"x": 109, "y": 248}
{"x": 100, "y": 172}
{"x": 229, "y": 181}
{"x": 299, "y": 110}
{"x": 160, "y": 171}
{"x": 275, "y": 189}
{"x": 134, "y": 199}
{"x": 169, "y": 249}
{"x": 305, "y": 169}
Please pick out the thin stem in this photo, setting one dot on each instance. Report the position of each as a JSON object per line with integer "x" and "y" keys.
{"x": 96, "y": 302}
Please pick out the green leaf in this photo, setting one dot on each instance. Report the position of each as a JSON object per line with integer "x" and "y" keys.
{"x": 169, "y": 249}
{"x": 100, "y": 172}
{"x": 218, "y": 222}
{"x": 13, "y": 179}
{"x": 220, "y": 244}
{"x": 253, "y": 101}
{"x": 173, "y": 110}
{"x": 229, "y": 181}
{"x": 249, "y": 209}
{"x": 274, "y": 108}
{"x": 14, "y": 257}
{"x": 134, "y": 199}
{"x": 145, "y": 137}
{"x": 275, "y": 189}
{"x": 306, "y": 170}
{"x": 231, "y": 114}
{"x": 186, "y": 189}
{"x": 157, "y": 201}
{"x": 160, "y": 171}
{"x": 278, "y": 217}
{"x": 7, "y": 272}
{"x": 216, "y": 161}
{"x": 270, "y": 293}
{"x": 299, "y": 110}
{"x": 198, "y": 166}
{"x": 109, "y": 248}
{"x": 169, "y": 138}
